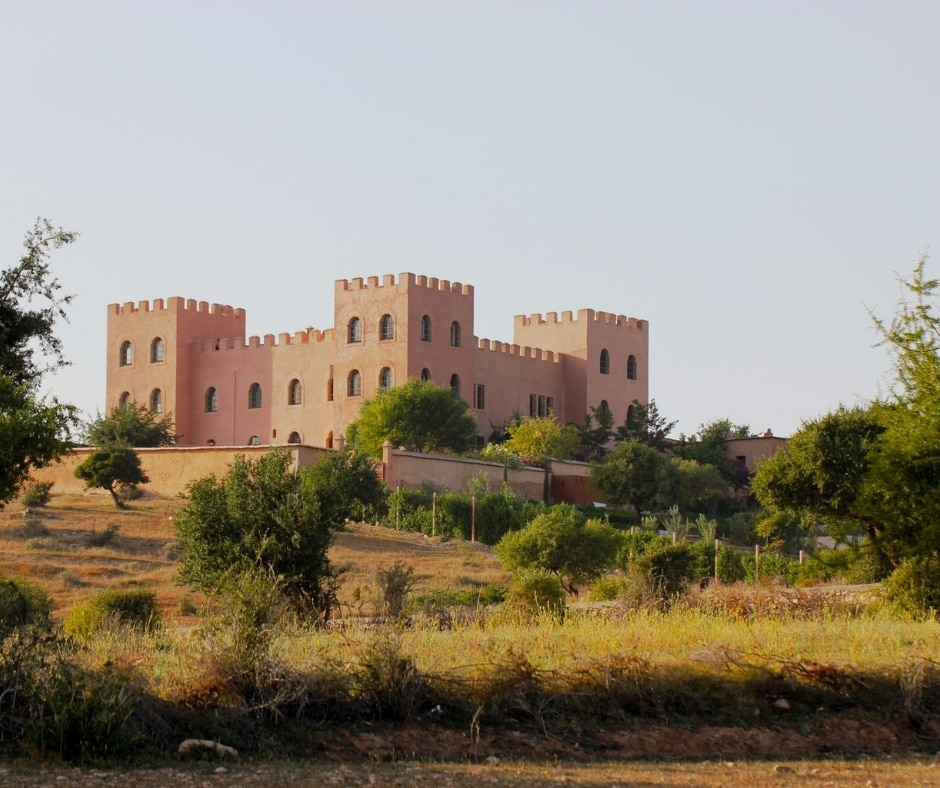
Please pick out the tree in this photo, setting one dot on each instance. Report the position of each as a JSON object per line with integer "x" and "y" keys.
{"x": 634, "y": 475}
{"x": 708, "y": 448}
{"x": 34, "y": 431}
{"x": 418, "y": 415}
{"x": 263, "y": 516}
{"x": 23, "y": 325}
{"x": 595, "y": 439}
{"x": 645, "y": 424}
{"x": 346, "y": 486}
{"x": 132, "y": 425}
{"x": 539, "y": 437}
{"x": 563, "y": 542}
{"x": 697, "y": 487}
{"x": 110, "y": 468}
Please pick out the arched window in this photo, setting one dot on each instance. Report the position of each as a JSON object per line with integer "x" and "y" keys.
{"x": 355, "y": 330}
{"x": 124, "y": 400}
{"x": 254, "y": 440}
{"x": 294, "y": 437}
{"x": 385, "y": 378}
{"x": 455, "y": 383}
{"x": 329, "y": 440}
{"x": 425, "y": 329}
{"x": 354, "y": 384}
{"x": 212, "y": 400}
{"x": 455, "y": 334}
{"x": 631, "y": 368}
{"x": 156, "y": 351}
{"x": 254, "y": 396}
{"x": 425, "y": 374}
{"x": 631, "y": 413}
{"x": 386, "y": 327}
{"x": 156, "y": 401}
{"x": 127, "y": 354}
{"x": 294, "y": 392}
{"x": 605, "y": 362}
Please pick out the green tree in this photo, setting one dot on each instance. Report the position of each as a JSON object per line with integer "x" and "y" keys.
{"x": 539, "y": 437}
{"x": 417, "y": 415}
{"x": 596, "y": 434}
{"x": 110, "y": 468}
{"x": 263, "y": 516}
{"x": 634, "y": 475}
{"x": 563, "y": 542}
{"x": 346, "y": 486}
{"x": 709, "y": 448}
{"x": 34, "y": 431}
{"x": 31, "y": 303}
{"x": 131, "y": 425}
{"x": 645, "y": 424}
{"x": 696, "y": 487}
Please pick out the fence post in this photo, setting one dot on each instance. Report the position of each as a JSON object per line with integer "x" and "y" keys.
{"x": 434, "y": 514}
{"x": 756, "y": 564}
{"x": 473, "y": 518}
{"x": 717, "y": 548}
{"x": 802, "y": 556}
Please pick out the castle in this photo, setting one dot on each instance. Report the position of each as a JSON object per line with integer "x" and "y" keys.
{"x": 193, "y": 360}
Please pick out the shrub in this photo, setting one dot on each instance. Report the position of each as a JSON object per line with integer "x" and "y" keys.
{"x": 607, "y": 588}
{"x": 914, "y": 587}
{"x": 135, "y": 608}
{"x": 22, "y": 604}
{"x": 669, "y": 569}
{"x": 394, "y": 586}
{"x": 730, "y": 565}
{"x": 102, "y": 538}
{"x": 37, "y": 494}
{"x": 534, "y": 592}
{"x": 34, "y": 528}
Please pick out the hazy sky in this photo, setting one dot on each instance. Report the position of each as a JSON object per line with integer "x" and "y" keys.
{"x": 747, "y": 176}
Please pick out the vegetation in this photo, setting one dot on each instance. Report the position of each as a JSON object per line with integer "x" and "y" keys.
{"x": 634, "y": 475}
{"x": 131, "y": 425}
{"x": 111, "y": 468}
{"x": 417, "y": 415}
{"x": 536, "y": 439}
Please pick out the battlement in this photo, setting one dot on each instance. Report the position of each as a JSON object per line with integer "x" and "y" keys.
{"x": 267, "y": 342}
{"x": 405, "y": 280}
{"x": 522, "y": 351}
{"x": 583, "y": 316}
{"x": 175, "y": 304}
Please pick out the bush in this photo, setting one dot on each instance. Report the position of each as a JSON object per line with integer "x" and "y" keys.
{"x": 136, "y": 608}
{"x": 730, "y": 565}
{"x": 773, "y": 568}
{"x": 22, "y": 604}
{"x": 914, "y": 587}
{"x": 103, "y": 538}
{"x": 37, "y": 494}
{"x": 34, "y": 528}
{"x": 534, "y": 592}
{"x": 394, "y": 586}
{"x": 669, "y": 569}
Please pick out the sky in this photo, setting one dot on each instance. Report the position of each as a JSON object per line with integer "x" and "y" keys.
{"x": 749, "y": 177}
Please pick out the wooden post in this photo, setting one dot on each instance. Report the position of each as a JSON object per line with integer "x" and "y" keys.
{"x": 717, "y": 548}
{"x": 675, "y": 537}
{"x": 434, "y": 514}
{"x": 473, "y": 518}
{"x": 756, "y": 564}
{"x": 802, "y": 556}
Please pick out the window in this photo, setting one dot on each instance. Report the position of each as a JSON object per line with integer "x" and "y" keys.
{"x": 541, "y": 405}
{"x": 425, "y": 329}
{"x": 254, "y": 440}
{"x": 127, "y": 354}
{"x": 294, "y": 437}
{"x": 329, "y": 440}
{"x": 354, "y": 384}
{"x": 254, "y": 396}
{"x": 294, "y": 392}
{"x": 631, "y": 368}
{"x": 329, "y": 389}
{"x": 124, "y": 400}
{"x": 355, "y": 330}
{"x": 212, "y": 400}
{"x": 455, "y": 383}
{"x": 425, "y": 374}
{"x": 385, "y": 378}
{"x": 156, "y": 401}
{"x": 550, "y": 405}
{"x": 605, "y": 362}
{"x": 455, "y": 334}
{"x": 479, "y": 396}
{"x": 532, "y": 405}
{"x": 156, "y": 351}
{"x": 631, "y": 413}
{"x": 386, "y": 327}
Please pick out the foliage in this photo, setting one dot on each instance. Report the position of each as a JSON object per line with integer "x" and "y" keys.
{"x": 645, "y": 425}
{"x": 23, "y": 325}
{"x": 36, "y": 494}
{"x": 596, "y": 433}
{"x": 668, "y": 569}
{"x": 347, "y": 487}
{"x": 262, "y": 516}
{"x": 696, "y": 487}
{"x": 22, "y": 604}
{"x": 395, "y": 584}
{"x": 110, "y": 468}
{"x": 633, "y": 474}
{"x": 133, "y": 608}
{"x": 535, "y": 591}
{"x": 418, "y": 415}
{"x": 914, "y": 587}
{"x": 497, "y": 452}
{"x": 132, "y": 425}
{"x": 708, "y": 448}
{"x": 537, "y": 438}
{"x": 563, "y": 543}
{"x": 33, "y": 433}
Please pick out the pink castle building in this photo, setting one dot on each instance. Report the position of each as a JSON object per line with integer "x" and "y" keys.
{"x": 193, "y": 360}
